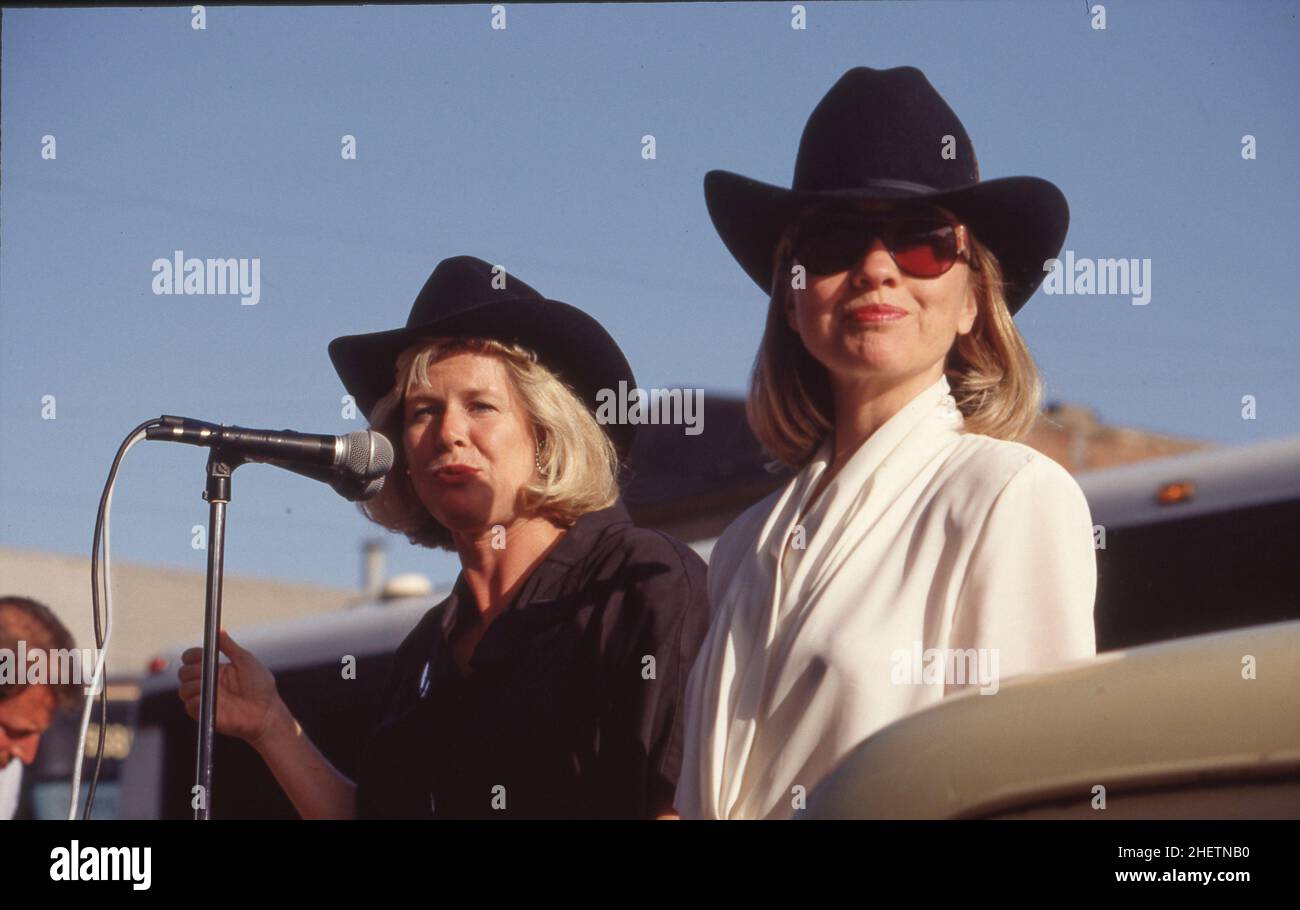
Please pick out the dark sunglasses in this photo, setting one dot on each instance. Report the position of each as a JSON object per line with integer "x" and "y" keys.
{"x": 922, "y": 245}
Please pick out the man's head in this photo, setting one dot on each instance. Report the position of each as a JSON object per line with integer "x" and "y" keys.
{"x": 27, "y": 709}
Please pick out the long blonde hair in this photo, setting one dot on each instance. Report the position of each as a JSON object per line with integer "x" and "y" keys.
{"x": 578, "y": 464}
{"x": 990, "y": 370}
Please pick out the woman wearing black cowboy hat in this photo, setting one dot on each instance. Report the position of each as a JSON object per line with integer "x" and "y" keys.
{"x": 919, "y": 551}
{"x": 548, "y": 683}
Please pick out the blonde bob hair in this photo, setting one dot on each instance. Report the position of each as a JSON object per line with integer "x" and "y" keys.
{"x": 577, "y": 463}
{"x": 990, "y": 371}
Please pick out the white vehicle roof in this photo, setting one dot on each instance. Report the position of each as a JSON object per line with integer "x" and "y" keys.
{"x": 1227, "y": 478}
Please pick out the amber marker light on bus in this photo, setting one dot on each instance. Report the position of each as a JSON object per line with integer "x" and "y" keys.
{"x": 1176, "y": 492}
{"x": 157, "y": 665}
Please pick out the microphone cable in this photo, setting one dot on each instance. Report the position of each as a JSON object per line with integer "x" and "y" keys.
{"x": 102, "y": 632}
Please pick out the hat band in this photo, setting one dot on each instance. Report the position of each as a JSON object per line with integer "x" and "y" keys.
{"x": 887, "y": 184}
{"x": 879, "y": 183}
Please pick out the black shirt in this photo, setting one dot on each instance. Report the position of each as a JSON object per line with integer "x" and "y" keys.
{"x": 574, "y": 706}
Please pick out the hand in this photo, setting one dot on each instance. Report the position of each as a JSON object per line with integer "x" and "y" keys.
{"x": 247, "y": 699}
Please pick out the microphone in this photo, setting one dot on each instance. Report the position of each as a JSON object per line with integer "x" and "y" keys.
{"x": 354, "y": 465}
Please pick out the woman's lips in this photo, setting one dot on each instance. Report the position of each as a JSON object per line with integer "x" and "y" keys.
{"x": 876, "y": 312}
{"x": 455, "y": 473}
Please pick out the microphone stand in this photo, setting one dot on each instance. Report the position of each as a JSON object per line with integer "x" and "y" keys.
{"x": 221, "y": 464}
{"x": 356, "y": 484}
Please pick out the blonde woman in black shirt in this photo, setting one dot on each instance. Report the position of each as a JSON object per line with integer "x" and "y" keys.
{"x": 525, "y": 693}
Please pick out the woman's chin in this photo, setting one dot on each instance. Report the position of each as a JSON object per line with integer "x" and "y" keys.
{"x": 460, "y": 514}
{"x": 870, "y": 368}
{"x": 462, "y": 523}
{"x": 861, "y": 356}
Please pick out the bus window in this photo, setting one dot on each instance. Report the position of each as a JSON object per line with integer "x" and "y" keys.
{"x": 1202, "y": 574}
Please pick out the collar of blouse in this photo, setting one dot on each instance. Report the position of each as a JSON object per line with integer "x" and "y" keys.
{"x": 572, "y": 549}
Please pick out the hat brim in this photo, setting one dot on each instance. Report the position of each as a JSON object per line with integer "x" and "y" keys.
{"x": 566, "y": 340}
{"x": 1022, "y": 220}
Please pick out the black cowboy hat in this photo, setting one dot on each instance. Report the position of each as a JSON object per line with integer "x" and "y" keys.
{"x": 879, "y": 135}
{"x": 463, "y": 298}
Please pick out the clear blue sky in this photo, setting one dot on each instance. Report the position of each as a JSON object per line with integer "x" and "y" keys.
{"x": 523, "y": 147}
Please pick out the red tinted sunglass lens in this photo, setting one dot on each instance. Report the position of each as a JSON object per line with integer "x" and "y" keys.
{"x": 924, "y": 249}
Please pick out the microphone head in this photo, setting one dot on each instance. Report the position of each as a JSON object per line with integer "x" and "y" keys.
{"x": 367, "y": 454}
{"x": 347, "y": 484}
{"x": 356, "y": 490}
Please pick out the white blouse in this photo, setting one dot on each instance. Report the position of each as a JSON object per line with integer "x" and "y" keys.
{"x": 935, "y": 561}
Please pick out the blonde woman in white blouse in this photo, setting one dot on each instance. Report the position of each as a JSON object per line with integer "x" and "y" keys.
{"x": 918, "y": 550}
